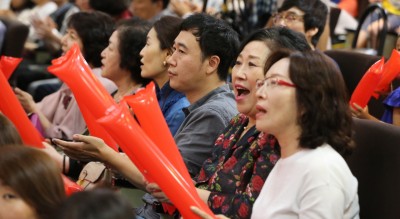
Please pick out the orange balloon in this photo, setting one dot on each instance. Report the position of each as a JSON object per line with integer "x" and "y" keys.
{"x": 390, "y": 70}
{"x": 365, "y": 88}
{"x": 138, "y": 147}
{"x": 11, "y": 108}
{"x": 75, "y": 72}
{"x": 8, "y": 65}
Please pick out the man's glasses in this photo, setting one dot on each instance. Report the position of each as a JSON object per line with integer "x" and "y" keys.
{"x": 272, "y": 82}
{"x": 288, "y": 17}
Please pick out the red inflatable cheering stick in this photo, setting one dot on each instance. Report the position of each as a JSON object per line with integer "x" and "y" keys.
{"x": 11, "y": 108}
{"x": 367, "y": 85}
{"x": 147, "y": 110}
{"x": 73, "y": 71}
{"x": 8, "y": 65}
{"x": 88, "y": 91}
{"x": 138, "y": 146}
{"x": 390, "y": 70}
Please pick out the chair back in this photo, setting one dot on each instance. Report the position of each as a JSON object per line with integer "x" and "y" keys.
{"x": 353, "y": 66}
{"x": 373, "y": 8}
{"x": 15, "y": 37}
{"x": 376, "y": 165}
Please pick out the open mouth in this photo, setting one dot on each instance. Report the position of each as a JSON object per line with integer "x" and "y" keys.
{"x": 241, "y": 91}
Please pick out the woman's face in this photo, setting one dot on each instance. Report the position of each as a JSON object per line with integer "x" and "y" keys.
{"x": 276, "y": 101}
{"x": 248, "y": 68}
{"x": 12, "y": 206}
{"x": 69, "y": 38}
{"x": 111, "y": 58}
{"x": 153, "y": 57}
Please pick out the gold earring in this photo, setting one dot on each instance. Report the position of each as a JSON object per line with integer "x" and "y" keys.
{"x": 164, "y": 63}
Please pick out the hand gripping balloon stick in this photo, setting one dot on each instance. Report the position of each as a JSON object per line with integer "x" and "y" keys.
{"x": 135, "y": 143}
{"x": 76, "y": 73}
{"x": 10, "y": 107}
{"x": 367, "y": 85}
{"x": 390, "y": 70}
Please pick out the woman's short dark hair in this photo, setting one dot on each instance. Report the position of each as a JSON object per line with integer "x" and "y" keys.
{"x": 277, "y": 38}
{"x": 34, "y": 176}
{"x": 132, "y": 39}
{"x": 94, "y": 29}
{"x": 323, "y": 110}
{"x": 167, "y": 29}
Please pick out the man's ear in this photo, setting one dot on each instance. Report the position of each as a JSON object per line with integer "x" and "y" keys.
{"x": 213, "y": 63}
{"x": 311, "y": 32}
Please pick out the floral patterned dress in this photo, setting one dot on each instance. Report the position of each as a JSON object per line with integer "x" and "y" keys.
{"x": 238, "y": 168}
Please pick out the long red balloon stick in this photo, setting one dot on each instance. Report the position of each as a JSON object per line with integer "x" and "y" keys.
{"x": 135, "y": 143}
{"x": 8, "y": 64}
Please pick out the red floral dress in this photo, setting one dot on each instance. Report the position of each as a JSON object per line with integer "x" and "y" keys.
{"x": 238, "y": 168}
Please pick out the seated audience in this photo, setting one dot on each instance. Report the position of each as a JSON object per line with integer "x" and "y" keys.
{"x": 231, "y": 179}
{"x": 302, "y": 101}
{"x": 58, "y": 113}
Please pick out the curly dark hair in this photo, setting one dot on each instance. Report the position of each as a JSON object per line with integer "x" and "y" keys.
{"x": 94, "y": 29}
{"x": 323, "y": 111}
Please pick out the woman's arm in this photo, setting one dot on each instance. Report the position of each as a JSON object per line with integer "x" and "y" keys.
{"x": 89, "y": 147}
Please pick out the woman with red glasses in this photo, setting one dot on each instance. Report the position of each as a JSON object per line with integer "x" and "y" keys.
{"x": 302, "y": 102}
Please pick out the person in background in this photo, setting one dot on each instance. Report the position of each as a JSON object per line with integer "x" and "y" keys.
{"x": 30, "y": 183}
{"x": 52, "y": 28}
{"x": 391, "y": 103}
{"x": 203, "y": 52}
{"x": 150, "y": 10}
{"x": 231, "y": 179}
{"x": 305, "y": 16}
{"x": 154, "y": 66}
{"x": 374, "y": 23}
{"x": 58, "y": 113}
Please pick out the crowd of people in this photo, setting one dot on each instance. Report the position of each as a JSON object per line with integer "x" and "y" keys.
{"x": 261, "y": 120}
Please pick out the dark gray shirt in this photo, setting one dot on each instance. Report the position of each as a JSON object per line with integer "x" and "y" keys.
{"x": 205, "y": 120}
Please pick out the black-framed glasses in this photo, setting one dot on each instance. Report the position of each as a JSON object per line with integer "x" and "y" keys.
{"x": 271, "y": 82}
{"x": 288, "y": 17}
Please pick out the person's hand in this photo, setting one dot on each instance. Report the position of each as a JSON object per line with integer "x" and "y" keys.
{"x": 84, "y": 148}
{"x": 52, "y": 152}
{"x": 44, "y": 28}
{"x": 7, "y": 13}
{"x": 204, "y": 215}
{"x": 359, "y": 112}
{"x": 155, "y": 191}
{"x": 26, "y": 100}
{"x": 182, "y": 7}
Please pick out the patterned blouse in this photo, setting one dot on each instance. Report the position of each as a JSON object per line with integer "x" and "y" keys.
{"x": 238, "y": 168}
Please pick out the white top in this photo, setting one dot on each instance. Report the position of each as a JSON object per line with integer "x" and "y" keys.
{"x": 312, "y": 183}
